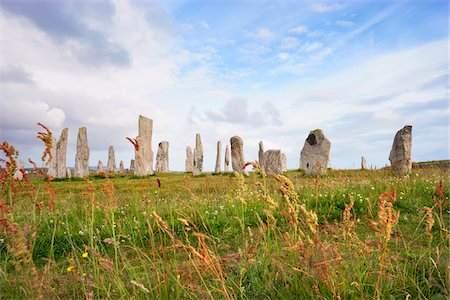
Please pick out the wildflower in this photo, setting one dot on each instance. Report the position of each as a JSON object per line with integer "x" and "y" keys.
{"x": 70, "y": 268}
{"x": 85, "y": 255}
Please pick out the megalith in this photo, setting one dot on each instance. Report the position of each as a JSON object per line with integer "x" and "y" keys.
{"x": 52, "y": 163}
{"x": 363, "y": 163}
{"x": 189, "y": 163}
{"x": 61, "y": 148}
{"x": 237, "y": 155}
{"x": 121, "y": 167}
{"x": 132, "y": 166}
{"x": 82, "y": 155}
{"x": 227, "y": 159}
{"x": 218, "y": 157}
{"x": 143, "y": 155}
{"x": 111, "y": 166}
{"x": 18, "y": 173}
{"x": 99, "y": 167}
{"x": 274, "y": 161}
{"x": 198, "y": 156}
{"x": 315, "y": 154}
{"x": 400, "y": 156}
{"x": 261, "y": 155}
{"x": 162, "y": 157}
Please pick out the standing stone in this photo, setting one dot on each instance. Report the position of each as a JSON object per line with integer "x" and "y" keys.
{"x": 143, "y": 155}
{"x": 283, "y": 163}
{"x": 261, "y": 155}
{"x": 132, "y": 166}
{"x": 198, "y": 156}
{"x": 52, "y": 161}
{"x": 363, "y": 163}
{"x": 274, "y": 161}
{"x": 189, "y": 164}
{"x": 237, "y": 155}
{"x": 68, "y": 174}
{"x": 111, "y": 166}
{"x": 219, "y": 157}
{"x": 315, "y": 154}
{"x": 227, "y": 159}
{"x": 121, "y": 168}
{"x": 18, "y": 173}
{"x": 61, "y": 148}
{"x": 82, "y": 156}
{"x": 99, "y": 167}
{"x": 162, "y": 157}
{"x": 400, "y": 155}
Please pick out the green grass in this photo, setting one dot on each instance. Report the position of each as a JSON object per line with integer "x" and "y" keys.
{"x": 220, "y": 236}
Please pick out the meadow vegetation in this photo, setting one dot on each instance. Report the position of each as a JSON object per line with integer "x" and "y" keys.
{"x": 357, "y": 234}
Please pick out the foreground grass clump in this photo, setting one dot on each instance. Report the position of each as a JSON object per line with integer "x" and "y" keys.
{"x": 351, "y": 234}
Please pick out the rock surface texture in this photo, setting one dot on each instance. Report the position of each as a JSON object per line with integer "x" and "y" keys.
{"x": 363, "y": 163}
{"x": 51, "y": 172}
{"x": 189, "y": 163}
{"x": 400, "y": 155}
{"x": 132, "y": 166}
{"x": 82, "y": 155}
{"x": 198, "y": 156}
{"x": 261, "y": 155}
{"x": 315, "y": 154}
{"x": 218, "y": 157}
{"x": 99, "y": 167}
{"x": 227, "y": 159}
{"x": 143, "y": 155}
{"x": 61, "y": 148}
{"x": 111, "y": 166}
{"x": 121, "y": 167}
{"x": 237, "y": 155}
{"x": 274, "y": 161}
{"x": 18, "y": 173}
{"x": 162, "y": 157}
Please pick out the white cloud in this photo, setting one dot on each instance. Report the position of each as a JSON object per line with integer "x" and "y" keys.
{"x": 263, "y": 34}
{"x": 283, "y": 56}
{"x": 299, "y": 29}
{"x": 290, "y": 43}
{"x": 309, "y": 47}
{"x": 326, "y": 7}
{"x": 344, "y": 23}
{"x": 204, "y": 25}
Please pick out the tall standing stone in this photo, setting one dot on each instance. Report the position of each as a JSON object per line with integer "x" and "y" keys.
{"x": 274, "y": 161}
{"x": 82, "y": 155}
{"x": 68, "y": 174}
{"x": 162, "y": 157}
{"x": 227, "y": 159}
{"x": 400, "y": 155}
{"x": 189, "y": 163}
{"x": 198, "y": 156}
{"x": 261, "y": 155}
{"x": 61, "y": 148}
{"x": 143, "y": 154}
{"x": 121, "y": 167}
{"x": 52, "y": 163}
{"x": 18, "y": 173}
{"x": 315, "y": 154}
{"x": 237, "y": 155}
{"x": 363, "y": 163}
{"x": 99, "y": 167}
{"x": 111, "y": 166}
{"x": 283, "y": 163}
{"x": 218, "y": 157}
{"x": 132, "y": 166}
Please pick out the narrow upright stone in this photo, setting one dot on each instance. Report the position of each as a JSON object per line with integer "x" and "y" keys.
{"x": 400, "y": 155}
{"x": 99, "y": 167}
{"x": 315, "y": 154}
{"x": 68, "y": 174}
{"x": 283, "y": 163}
{"x": 82, "y": 155}
{"x": 189, "y": 164}
{"x": 363, "y": 163}
{"x": 132, "y": 166}
{"x": 274, "y": 161}
{"x": 219, "y": 157}
{"x": 227, "y": 159}
{"x": 52, "y": 163}
{"x": 111, "y": 166}
{"x": 237, "y": 155}
{"x": 18, "y": 173}
{"x": 143, "y": 153}
{"x": 261, "y": 155}
{"x": 198, "y": 156}
{"x": 61, "y": 148}
{"x": 162, "y": 157}
{"x": 121, "y": 167}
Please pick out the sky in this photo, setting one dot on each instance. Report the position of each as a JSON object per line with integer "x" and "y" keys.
{"x": 268, "y": 71}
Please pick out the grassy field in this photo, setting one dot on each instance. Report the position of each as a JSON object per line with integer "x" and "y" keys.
{"x": 351, "y": 234}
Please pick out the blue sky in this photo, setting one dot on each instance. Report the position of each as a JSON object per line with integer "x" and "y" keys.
{"x": 264, "y": 70}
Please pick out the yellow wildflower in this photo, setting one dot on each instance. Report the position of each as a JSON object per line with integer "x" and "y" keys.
{"x": 85, "y": 254}
{"x": 70, "y": 268}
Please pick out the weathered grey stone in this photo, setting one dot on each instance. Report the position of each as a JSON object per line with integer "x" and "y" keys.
{"x": 283, "y": 163}
{"x": 99, "y": 167}
{"x": 218, "y": 157}
{"x": 400, "y": 155}
{"x": 82, "y": 155}
{"x": 363, "y": 163}
{"x": 189, "y": 163}
{"x": 121, "y": 168}
{"x": 237, "y": 155}
{"x": 144, "y": 154}
{"x": 274, "y": 161}
{"x": 51, "y": 172}
{"x": 315, "y": 154}
{"x": 227, "y": 159}
{"x": 18, "y": 175}
{"x": 162, "y": 157}
{"x": 261, "y": 155}
{"x": 111, "y": 166}
{"x": 61, "y": 148}
{"x": 68, "y": 174}
{"x": 198, "y": 156}
{"x": 132, "y": 166}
